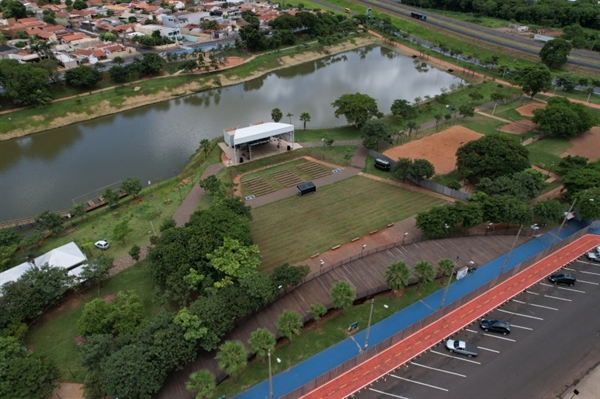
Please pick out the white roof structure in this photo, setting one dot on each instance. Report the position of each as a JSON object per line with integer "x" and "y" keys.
{"x": 260, "y": 131}
{"x": 68, "y": 256}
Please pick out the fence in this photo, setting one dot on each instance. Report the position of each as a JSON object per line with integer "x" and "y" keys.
{"x": 433, "y": 186}
{"x": 405, "y": 333}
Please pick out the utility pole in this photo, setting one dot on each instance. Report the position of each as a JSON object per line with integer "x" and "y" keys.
{"x": 369, "y": 324}
{"x": 510, "y": 252}
{"x": 564, "y": 220}
{"x": 270, "y": 376}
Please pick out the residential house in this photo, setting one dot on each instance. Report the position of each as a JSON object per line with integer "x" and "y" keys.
{"x": 165, "y": 31}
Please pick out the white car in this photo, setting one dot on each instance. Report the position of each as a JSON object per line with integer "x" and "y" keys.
{"x": 102, "y": 244}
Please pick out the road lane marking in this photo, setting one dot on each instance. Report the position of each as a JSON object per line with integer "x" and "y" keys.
{"x": 533, "y": 304}
{"x": 388, "y": 394}
{"x": 519, "y": 314}
{"x": 499, "y": 337}
{"x": 532, "y": 293}
{"x": 454, "y": 357}
{"x": 587, "y": 282}
{"x": 488, "y": 349}
{"x": 560, "y": 299}
{"x": 568, "y": 268}
{"x": 443, "y": 371}
{"x": 420, "y": 383}
{"x": 562, "y": 288}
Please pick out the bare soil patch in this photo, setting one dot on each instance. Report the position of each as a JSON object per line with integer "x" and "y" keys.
{"x": 79, "y": 340}
{"x": 109, "y": 298}
{"x": 439, "y": 148}
{"x": 527, "y": 110}
{"x": 587, "y": 145}
{"x": 519, "y": 127}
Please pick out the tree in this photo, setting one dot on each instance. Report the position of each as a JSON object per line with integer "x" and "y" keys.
{"x": 289, "y": 324}
{"x": 131, "y": 186}
{"x": 51, "y": 66}
{"x": 535, "y": 79}
{"x": 317, "y": 311}
{"x": 304, "y": 117}
{"x": 402, "y": 168}
{"x": 411, "y": 125}
{"x": 232, "y": 358}
{"x": 276, "y": 114}
{"x": 445, "y": 267}
{"x": 167, "y": 224}
{"x": 491, "y": 156}
{"x": 401, "y": 109}
{"x": 83, "y": 77}
{"x": 285, "y": 275}
{"x": 95, "y": 318}
{"x": 234, "y": 260}
{"x": 202, "y": 382}
{"x": 563, "y": 118}
{"x": 134, "y": 252}
{"x": 569, "y": 163}
{"x": 151, "y": 64}
{"x": 424, "y": 273}
{"x": 583, "y": 178}
{"x": 421, "y": 169}
{"x": 466, "y": 110}
{"x": 80, "y": 5}
{"x": 524, "y": 185}
{"x": 342, "y": 295}
{"x": 191, "y": 324}
{"x": 121, "y": 230}
{"x": 555, "y": 53}
{"x": 127, "y": 312}
{"x": 588, "y": 203}
{"x": 475, "y": 95}
{"x": 50, "y": 221}
{"x": 261, "y": 341}
{"x": 438, "y": 119}
{"x": 507, "y": 209}
{"x": 96, "y": 270}
{"x": 373, "y": 132}
{"x": 397, "y": 276}
{"x": 111, "y": 197}
{"x": 95, "y": 348}
{"x": 78, "y": 210}
{"x": 357, "y": 108}
{"x": 549, "y": 209}
{"x": 205, "y": 146}
{"x": 438, "y": 222}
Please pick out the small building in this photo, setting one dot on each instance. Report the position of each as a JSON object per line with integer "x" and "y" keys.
{"x": 244, "y": 141}
{"x": 306, "y": 188}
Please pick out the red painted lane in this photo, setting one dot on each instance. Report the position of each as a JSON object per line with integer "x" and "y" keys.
{"x": 386, "y": 361}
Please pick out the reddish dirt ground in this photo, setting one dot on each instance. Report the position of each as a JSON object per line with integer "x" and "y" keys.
{"x": 519, "y": 127}
{"x": 439, "y": 148}
{"x": 527, "y": 110}
{"x": 587, "y": 145}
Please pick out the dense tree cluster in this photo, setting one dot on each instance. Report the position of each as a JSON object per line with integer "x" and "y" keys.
{"x": 83, "y": 77}
{"x": 25, "y": 84}
{"x": 149, "y": 65}
{"x": 524, "y": 185}
{"x": 357, "y": 108}
{"x": 419, "y": 169}
{"x": 563, "y": 118}
{"x": 555, "y": 13}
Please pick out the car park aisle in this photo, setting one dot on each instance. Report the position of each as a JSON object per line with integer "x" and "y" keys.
{"x": 387, "y": 361}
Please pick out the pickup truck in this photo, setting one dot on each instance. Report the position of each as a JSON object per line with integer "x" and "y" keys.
{"x": 594, "y": 255}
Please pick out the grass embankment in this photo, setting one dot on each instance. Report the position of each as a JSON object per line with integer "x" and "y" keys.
{"x": 330, "y": 331}
{"x": 295, "y": 228}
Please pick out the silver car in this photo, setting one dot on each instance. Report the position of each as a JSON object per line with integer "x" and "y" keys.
{"x": 461, "y": 347}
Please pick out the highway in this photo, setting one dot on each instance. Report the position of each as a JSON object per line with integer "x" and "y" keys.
{"x": 579, "y": 57}
{"x": 553, "y": 343}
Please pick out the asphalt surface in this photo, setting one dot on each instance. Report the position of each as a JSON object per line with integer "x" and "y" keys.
{"x": 579, "y": 57}
{"x": 553, "y": 343}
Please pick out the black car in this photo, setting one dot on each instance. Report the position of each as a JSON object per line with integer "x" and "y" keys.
{"x": 562, "y": 278}
{"x": 498, "y": 326}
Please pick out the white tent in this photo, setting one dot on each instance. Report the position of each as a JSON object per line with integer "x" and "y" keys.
{"x": 256, "y": 134}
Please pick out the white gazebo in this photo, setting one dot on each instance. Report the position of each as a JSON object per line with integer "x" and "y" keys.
{"x": 240, "y": 143}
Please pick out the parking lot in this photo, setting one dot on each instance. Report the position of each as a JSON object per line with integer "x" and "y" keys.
{"x": 553, "y": 343}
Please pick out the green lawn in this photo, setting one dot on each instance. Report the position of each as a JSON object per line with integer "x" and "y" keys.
{"x": 55, "y": 337}
{"x": 547, "y": 151}
{"x": 337, "y": 133}
{"x": 295, "y": 228}
{"x": 329, "y": 332}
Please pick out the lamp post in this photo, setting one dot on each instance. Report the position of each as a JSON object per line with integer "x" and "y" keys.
{"x": 447, "y": 288}
{"x": 362, "y": 250}
{"x": 404, "y": 237}
{"x": 564, "y": 220}
{"x": 369, "y": 325}
{"x": 270, "y": 376}
{"x": 534, "y": 227}
{"x": 473, "y": 265}
{"x": 510, "y": 252}
{"x": 321, "y": 263}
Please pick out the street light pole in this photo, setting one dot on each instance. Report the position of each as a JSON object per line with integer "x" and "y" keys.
{"x": 403, "y": 237}
{"x": 270, "y": 376}
{"x": 321, "y": 267}
{"x": 363, "y": 248}
{"x": 369, "y": 324}
{"x": 510, "y": 252}
{"x": 564, "y": 220}
{"x": 447, "y": 288}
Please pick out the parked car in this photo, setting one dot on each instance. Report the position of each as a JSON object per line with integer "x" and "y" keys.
{"x": 562, "y": 278}
{"x": 594, "y": 255}
{"x": 382, "y": 164}
{"x": 493, "y": 325}
{"x": 461, "y": 347}
{"x": 102, "y": 244}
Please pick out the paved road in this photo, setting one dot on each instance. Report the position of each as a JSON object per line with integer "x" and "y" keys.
{"x": 561, "y": 347}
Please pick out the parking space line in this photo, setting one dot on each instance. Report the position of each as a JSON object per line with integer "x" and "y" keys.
{"x": 532, "y": 293}
{"x": 443, "y": 371}
{"x": 562, "y": 288}
{"x": 584, "y": 272}
{"x": 589, "y": 263}
{"x": 388, "y": 394}
{"x": 519, "y": 314}
{"x": 560, "y": 299}
{"x": 499, "y": 337}
{"x": 488, "y": 349}
{"x": 568, "y": 268}
{"x": 453, "y": 357}
{"x": 474, "y": 332}
{"x": 587, "y": 282}
{"x": 420, "y": 383}
{"x": 533, "y": 304}
{"x": 521, "y": 327}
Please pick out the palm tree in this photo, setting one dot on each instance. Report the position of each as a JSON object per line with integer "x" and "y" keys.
{"x": 289, "y": 324}
{"x": 305, "y": 117}
{"x": 424, "y": 273}
{"x": 397, "y": 276}
{"x": 342, "y": 295}
{"x": 261, "y": 341}
{"x": 438, "y": 119}
{"x": 289, "y": 115}
{"x": 417, "y": 127}
{"x": 276, "y": 114}
{"x": 205, "y": 147}
{"x": 445, "y": 266}
{"x": 411, "y": 125}
{"x": 232, "y": 358}
{"x": 202, "y": 381}
{"x": 317, "y": 311}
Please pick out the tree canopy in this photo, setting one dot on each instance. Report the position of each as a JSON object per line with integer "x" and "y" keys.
{"x": 535, "y": 79}
{"x": 357, "y": 108}
{"x": 555, "y": 53}
{"x": 342, "y": 295}
{"x": 563, "y": 118}
{"x": 374, "y": 132}
{"x": 25, "y": 84}
{"x": 83, "y": 77}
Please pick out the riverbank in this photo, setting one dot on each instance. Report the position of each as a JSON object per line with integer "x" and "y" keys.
{"x": 92, "y": 106}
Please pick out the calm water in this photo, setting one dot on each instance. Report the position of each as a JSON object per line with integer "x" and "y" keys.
{"x": 47, "y": 170}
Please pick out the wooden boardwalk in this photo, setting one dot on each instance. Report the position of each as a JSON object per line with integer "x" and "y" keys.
{"x": 365, "y": 274}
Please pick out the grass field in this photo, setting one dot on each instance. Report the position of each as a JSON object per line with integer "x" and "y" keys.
{"x": 295, "y": 228}
{"x": 547, "y": 151}
{"x": 55, "y": 337}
